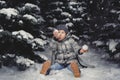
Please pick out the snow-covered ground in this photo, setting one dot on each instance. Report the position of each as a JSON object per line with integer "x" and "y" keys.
{"x": 103, "y": 70}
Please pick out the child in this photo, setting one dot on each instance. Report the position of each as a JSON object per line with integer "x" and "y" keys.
{"x": 64, "y": 50}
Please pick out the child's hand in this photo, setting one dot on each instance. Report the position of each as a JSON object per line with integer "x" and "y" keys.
{"x": 55, "y": 32}
{"x": 84, "y": 49}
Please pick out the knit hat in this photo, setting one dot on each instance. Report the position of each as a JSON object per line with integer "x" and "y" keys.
{"x": 62, "y": 27}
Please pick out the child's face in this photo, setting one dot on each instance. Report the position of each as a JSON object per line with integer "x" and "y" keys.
{"x": 60, "y": 35}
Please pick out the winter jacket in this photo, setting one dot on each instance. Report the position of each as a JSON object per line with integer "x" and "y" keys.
{"x": 63, "y": 52}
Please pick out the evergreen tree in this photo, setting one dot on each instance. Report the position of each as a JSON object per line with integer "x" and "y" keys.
{"x": 17, "y": 20}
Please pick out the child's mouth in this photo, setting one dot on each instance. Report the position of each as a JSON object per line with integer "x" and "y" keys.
{"x": 59, "y": 38}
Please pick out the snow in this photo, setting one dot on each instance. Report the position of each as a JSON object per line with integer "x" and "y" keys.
{"x": 98, "y": 43}
{"x": 113, "y": 11}
{"x": 84, "y": 14}
{"x": 22, "y": 60}
{"x": 11, "y": 55}
{"x": 110, "y": 24}
{"x": 67, "y": 19}
{"x": 54, "y": 20}
{"x": 57, "y": 3}
{"x": 40, "y": 19}
{"x": 77, "y": 19}
{"x": 80, "y": 9}
{"x": 66, "y": 14}
{"x": 9, "y": 12}
{"x": 1, "y": 30}
{"x": 23, "y": 34}
{"x": 30, "y": 17}
{"x": 112, "y": 43}
{"x": 39, "y": 41}
{"x": 20, "y": 22}
{"x": 88, "y": 18}
{"x": 118, "y": 12}
{"x": 91, "y": 2}
{"x": 103, "y": 70}
{"x": 43, "y": 57}
{"x": 72, "y": 3}
{"x": 32, "y": 6}
{"x": 85, "y": 47}
{"x": 70, "y": 7}
{"x": 2, "y": 2}
{"x": 57, "y": 10}
{"x": 69, "y": 24}
{"x": 119, "y": 18}
{"x": 102, "y": 8}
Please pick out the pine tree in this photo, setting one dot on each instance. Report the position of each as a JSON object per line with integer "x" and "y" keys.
{"x": 73, "y": 13}
{"x": 20, "y": 23}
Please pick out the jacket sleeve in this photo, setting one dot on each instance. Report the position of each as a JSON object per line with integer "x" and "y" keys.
{"x": 53, "y": 50}
{"x": 75, "y": 46}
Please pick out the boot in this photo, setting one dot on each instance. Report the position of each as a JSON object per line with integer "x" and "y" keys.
{"x": 45, "y": 67}
{"x": 75, "y": 68}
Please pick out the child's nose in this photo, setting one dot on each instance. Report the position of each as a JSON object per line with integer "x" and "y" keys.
{"x": 58, "y": 35}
